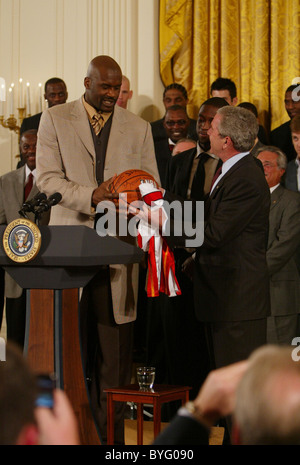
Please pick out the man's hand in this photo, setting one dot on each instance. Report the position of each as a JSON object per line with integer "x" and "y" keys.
{"x": 217, "y": 396}
{"x": 57, "y": 426}
{"x": 103, "y": 192}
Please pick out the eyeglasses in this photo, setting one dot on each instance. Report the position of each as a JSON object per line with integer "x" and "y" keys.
{"x": 180, "y": 122}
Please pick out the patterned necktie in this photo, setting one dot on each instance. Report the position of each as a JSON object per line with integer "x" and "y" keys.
{"x": 197, "y": 190}
{"x": 97, "y": 123}
{"x": 28, "y": 186}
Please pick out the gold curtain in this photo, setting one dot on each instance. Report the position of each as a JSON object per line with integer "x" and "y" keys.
{"x": 256, "y": 43}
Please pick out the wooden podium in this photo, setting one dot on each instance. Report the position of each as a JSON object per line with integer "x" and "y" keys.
{"x": 69, "y": 257}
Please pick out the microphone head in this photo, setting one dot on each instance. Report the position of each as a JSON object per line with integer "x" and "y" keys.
{"x": 55, "y": 198}
{"x": 34, "y": 202}
{"x": 40, "y": 196}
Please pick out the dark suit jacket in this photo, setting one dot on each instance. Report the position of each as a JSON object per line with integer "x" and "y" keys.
{"x": 281, "y": 137}
{"x": 179, "y": 171}
{"x": 231, "y": 279}
{"x": 163, "y": 155}
{"x": 32, "y": 122}
{"x": 291, "y": 176}
{"x": 158, "y": 130}
{"x": 283, "y": 243}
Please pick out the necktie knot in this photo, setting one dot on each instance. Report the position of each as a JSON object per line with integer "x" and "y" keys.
{"x": 97, "y": 123}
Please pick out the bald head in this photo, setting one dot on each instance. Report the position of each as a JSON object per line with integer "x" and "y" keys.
{"x": 103, "y": 83}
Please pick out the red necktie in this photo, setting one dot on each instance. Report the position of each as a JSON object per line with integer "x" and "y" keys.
{"x": 217, "y": 174}
{"x": 28, "y": 186}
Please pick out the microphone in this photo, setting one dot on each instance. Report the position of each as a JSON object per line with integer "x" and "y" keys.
{"x": 45, "y": 205}
{"x": 34, "y": 202}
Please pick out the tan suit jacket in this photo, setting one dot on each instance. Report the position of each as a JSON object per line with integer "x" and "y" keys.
{"x": 66, "y": 163}
{"x": 11, "y": 201}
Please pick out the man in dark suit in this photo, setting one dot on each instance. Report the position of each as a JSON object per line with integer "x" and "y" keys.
{"x": 182, "y": 168}
{"x": 292, "y": 175}
{"x": 174, "y": 94}
{"x": 176, "y": 125}
{"x": 55, "y": 93}
{"x": 175, "y": 342}
{"x": 13, "y": 192}
{"x": 281, "y": 136}
{"x": 283, "y": 243}
{"x": 231, "y": 282}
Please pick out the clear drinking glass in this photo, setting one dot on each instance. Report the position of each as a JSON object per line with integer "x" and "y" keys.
{"x": 145, "y": 378}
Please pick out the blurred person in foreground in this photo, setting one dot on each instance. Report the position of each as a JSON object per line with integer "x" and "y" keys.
{"x": 262, "y": 394}
{"x": 22, "y": 422}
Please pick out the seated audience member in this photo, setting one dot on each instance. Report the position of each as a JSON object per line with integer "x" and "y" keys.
{"x": 182, "y": 145}
{"x": 292, "y": 177}
{"x": 22, "y": 423}
{"x": 174, "y": 94}
{"x": 261, "y": 136}
{"x": 262, "y": 394}
{"x": 281, "y": 136}
{"x": 125, "y": 93}
{"x": 55, "y": 93}
{"x": 283, "y": 244}
{"x": 16, "y": 187}
{"x": 176, "y": 124}
{"x": 224, "y": 88}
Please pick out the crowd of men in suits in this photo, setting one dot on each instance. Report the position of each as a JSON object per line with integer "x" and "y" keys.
{"x": 239, "y": 290}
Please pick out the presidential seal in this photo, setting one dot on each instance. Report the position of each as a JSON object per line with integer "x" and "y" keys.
{"x": 21, "y": 240}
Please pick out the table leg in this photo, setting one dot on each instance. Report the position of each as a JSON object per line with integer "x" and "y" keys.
{"x": 110, "y": 419}
{"x": 156, "y": 416}
{"x": 140, "y": 419}
{"x": 186, "y": 397}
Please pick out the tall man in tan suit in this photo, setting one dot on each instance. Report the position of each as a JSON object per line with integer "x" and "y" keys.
{"x": 81, "y": 145}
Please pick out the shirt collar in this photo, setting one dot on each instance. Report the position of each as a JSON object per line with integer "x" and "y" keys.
{"x": 274, "y": 187}
{"x": 28, "y": 171}
{"x": 91, "y": 111}
{"x": 200, "y": 150}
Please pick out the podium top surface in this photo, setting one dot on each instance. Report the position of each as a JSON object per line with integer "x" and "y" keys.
{"x": 70, "y": 246}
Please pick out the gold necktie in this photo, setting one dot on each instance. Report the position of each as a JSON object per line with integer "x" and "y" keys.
{"x": 97, "y": 123}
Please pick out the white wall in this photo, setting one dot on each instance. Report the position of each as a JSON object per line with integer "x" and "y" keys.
{"x": 46, "y": 38}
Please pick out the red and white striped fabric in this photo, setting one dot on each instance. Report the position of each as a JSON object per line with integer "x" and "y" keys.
{"x": 161, "y": 265}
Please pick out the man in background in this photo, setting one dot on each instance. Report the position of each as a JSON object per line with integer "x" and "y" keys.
{"x": 174, "y": 94}
{"x": 224, "y": 88}
{"x": 176, "y": 126}
{"x": 16, "y": 187}
{"x": 283, "y": 243}
{"x": 55, "y": 94}
{"x": 125, "y": 93}
{"x": 281, "y": 136}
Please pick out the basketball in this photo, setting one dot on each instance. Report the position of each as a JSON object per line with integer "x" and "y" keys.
{"x": 128, "y": 182}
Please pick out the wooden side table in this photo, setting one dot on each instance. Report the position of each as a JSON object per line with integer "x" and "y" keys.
{"x": 131, "y": 393}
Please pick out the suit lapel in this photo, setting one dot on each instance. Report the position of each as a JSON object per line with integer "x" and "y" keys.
{"x": 276, "y": 196}
{"x": 80, "y": 121}
{"x": 19, "y": 185}
{"x": 117, "y": 132}
{"x": 235, "y": 167}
